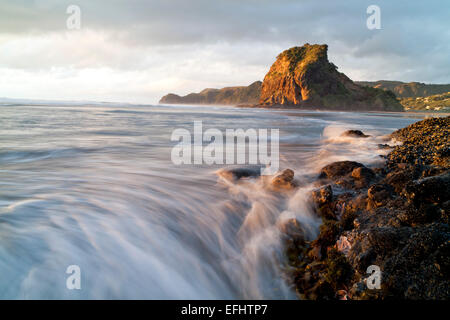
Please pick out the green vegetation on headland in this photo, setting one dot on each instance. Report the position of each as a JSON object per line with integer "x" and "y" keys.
{"x": 407, "y": 90}
{"x": 303, "y": 77}
{"x": 437, "y": 102}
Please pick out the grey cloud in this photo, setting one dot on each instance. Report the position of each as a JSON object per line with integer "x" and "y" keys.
{"x": 171, "y": 37}
{"x": 172, "y": 22}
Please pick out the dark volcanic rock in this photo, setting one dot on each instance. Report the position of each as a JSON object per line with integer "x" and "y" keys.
{"x": 424, "y": 142}
{"x": 294, "y": 230}
{"x": 354, "y": 134}
{"x": 378, "y": 194}
{"x": 420, "y": 269}
{"x": 236, "y": 173}
{"x": 339, "y": 169}
{"x": 363, "y": 176}
{"x": 399, "y": 178}
{"x": 396, "y": 219}
{"x": 384, "y": 146}
{"x": 431, "y": 189}
{"x": 323, "y": 195}
{"x": 348, "y": 174}
{"x": 284, "y": 180}
{"x": 322, "y": 200}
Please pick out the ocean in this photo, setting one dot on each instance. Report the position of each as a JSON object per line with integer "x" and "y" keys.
{"x": 94, "y": 186}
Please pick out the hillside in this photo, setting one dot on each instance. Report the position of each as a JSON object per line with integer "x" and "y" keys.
{"x": 407, "y": 90}
{"x": 224, "y": 96}
{"x": 437, "y": 102}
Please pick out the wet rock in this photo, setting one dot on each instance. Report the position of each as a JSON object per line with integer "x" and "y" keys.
{"x": 431, "y": 189}
{"x": 404, "y": 166}
{"x": 420, "y": 213}
{"x": 320, "y": 290}
{"x": 445, "y": 212}
{"x": 339, "y": 270}
{"x": 396, "y": 218}
{"x": 363, "y": 173}
{"x": 347, "y": 219}
{"x": 378, "y": 194}
{"x": 293, "y": 229}
{"x": 429, "y": 171}
{"x": 383, "y": 240}
{"x": 322, "y": 196}
{"x": 346, "y": 182}
{"x": 424, "y": 142}
{"x": 322, "y": 199}
{"x": 236, "y": 173}
{"x": 347, "y": 206}
{"x": 364, "y": 260}
{"x": 384, "y": 146}
{"x": 316, "y": 252}
{"x": 338, "y": 169}
{"x": 354, "y": 134}
{"x": 284, "y": 180}
{"x": 357, "y": 290}
{"x": 294, "y": 237}
{"x": 398, "y": 179}
{"x": 329, "y": 232}
{"x": 419, "y": 269}
{"x": 363, "y": 176}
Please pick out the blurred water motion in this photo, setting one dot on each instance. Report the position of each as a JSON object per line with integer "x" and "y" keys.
{"x": 94, "y": 186}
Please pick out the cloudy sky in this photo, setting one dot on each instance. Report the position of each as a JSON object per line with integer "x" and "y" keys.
{"x": 137, "y": 51}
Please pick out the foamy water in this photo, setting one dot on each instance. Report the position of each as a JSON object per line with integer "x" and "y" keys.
{"x": 95, "y": 187}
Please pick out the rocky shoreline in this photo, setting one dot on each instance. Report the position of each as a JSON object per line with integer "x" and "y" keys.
{"x": 395, "y": 218}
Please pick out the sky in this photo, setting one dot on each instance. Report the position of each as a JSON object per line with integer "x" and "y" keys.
{"x": 137, "y": 51}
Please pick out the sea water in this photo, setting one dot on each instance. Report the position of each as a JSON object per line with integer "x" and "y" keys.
{"x": 94, "y": 186}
